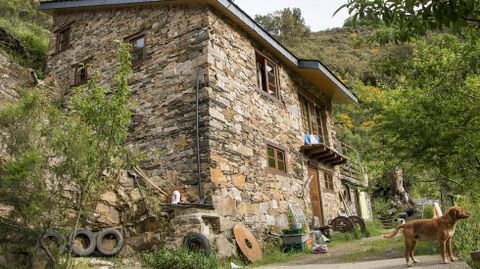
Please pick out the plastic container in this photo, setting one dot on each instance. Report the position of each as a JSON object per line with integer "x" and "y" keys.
{"x": 293, "y": 231}
{"x": 294, "y": 242}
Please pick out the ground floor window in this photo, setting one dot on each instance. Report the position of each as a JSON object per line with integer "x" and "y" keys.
{"x": 328, "y": 181}
{"x": 276, "y": 158}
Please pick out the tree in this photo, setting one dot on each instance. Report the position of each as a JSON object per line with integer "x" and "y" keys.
{"x": 404, "y": 19}
{"x": 57, "y": 159}
{"x": 287, "y": 25}
{"x": 432, "y": 119}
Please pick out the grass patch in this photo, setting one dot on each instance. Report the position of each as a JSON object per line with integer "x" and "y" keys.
{"x": 272, "y": 254}
{"x": 375, "y": 228}
{"x": 388, "y": 248}
{"x": 180, "y": 258}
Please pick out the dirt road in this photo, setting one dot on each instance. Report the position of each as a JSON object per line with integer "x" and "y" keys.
{"x": 433, "y": 262}
{"x": 374, "y": 252}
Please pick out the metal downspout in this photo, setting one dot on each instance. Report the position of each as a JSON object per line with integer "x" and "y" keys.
{"x": 197, "y": 128}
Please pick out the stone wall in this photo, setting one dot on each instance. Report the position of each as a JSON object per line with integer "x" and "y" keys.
{"x": 243, "y": 121}
{"x": 163, "y": 100}
{"x": 163, "y": 86}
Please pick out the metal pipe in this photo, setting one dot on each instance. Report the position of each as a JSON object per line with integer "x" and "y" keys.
{"x": 197, "y": 127}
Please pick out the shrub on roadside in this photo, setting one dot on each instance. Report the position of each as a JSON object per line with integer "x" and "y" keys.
{"x": 467, "y": 233}
{"x": 181, "y": 258}
{"x": 380, "y": 206}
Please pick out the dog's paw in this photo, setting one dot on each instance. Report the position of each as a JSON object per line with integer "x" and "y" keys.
{"x": 415, "y": 261}
{"x": 446, "y": 262}
{"x": 410, "y": 264}
{"x": 453, "y": 259}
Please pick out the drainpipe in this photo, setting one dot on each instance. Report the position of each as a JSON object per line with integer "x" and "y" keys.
{"x": 197, "y": 135}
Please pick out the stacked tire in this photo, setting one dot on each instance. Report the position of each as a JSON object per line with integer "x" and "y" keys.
{"x": 84, "y": 242}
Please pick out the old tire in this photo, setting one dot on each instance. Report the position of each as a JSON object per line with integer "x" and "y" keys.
{"x": 107, "y": 234}
{"x": 342, "y": 224}
{"x": 56, "y": 238}
{"x": 360, "y": 222}
{"x": 87, "y": 242}
{"x": 197, "y": 242}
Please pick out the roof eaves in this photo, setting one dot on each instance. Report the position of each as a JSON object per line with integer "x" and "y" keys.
{"x": 317, "y": 65}
{"x": 61, "y": 4}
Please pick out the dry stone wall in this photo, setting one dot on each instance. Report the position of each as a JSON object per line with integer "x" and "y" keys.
{"x": 243, "y": 121}
{"x": 163, "y": 86}
{"x": 163, "y": 99}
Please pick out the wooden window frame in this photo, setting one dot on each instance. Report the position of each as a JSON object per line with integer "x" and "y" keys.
{"x": 264, "y": 89}
{"x": 320, "y": 118}
{"x": 58, "y": 34}
{"x": 276, "y": 149}
{"x": 83, "y": 65}
{"x": 134, "y": 37}
{"x": 328, "y": 179}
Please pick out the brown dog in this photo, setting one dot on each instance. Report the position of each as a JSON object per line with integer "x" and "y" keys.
{"x": 441, "y": 228}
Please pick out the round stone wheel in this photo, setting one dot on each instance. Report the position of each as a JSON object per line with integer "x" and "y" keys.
{"x": 359, "y": 222}
{"x": 342, "y": 224}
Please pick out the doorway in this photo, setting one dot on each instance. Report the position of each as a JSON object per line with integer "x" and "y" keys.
{"x": 315, "y": 194}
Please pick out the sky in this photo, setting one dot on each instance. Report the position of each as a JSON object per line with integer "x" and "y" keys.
{"x": 317, "y": 13}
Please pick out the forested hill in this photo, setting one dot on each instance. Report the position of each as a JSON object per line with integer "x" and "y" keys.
{"x": 341, "y": 51}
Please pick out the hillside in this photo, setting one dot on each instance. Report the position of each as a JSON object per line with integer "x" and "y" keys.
{"x": 341, "y": 51}
{"x": 23, "y": 20}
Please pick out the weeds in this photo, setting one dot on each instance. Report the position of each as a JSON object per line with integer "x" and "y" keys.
{"x": 181, "y": 258}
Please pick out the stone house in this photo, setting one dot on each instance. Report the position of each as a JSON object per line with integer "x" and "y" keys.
{"x": 206, "y": 63}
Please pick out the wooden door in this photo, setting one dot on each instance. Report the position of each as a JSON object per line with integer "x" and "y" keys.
{"x": 315, "y": 194}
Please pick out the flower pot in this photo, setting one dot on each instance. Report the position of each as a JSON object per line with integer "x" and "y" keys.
{"x": 475, "y": 255}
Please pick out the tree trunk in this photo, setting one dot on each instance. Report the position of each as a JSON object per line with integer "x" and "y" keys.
{"x": 400, "y": 189}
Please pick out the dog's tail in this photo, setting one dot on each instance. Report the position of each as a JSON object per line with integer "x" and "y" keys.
{"x": 394, "y": 232}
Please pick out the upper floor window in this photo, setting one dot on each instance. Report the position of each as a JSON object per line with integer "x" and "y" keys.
{"x": 328, "y": 181}
{"x": 276, "y": 158}
{"x": 138, "y": 42}
{"x": 81, "y": 74}
{"x": 267, "y": 76}
{"x": 63, "y": 39}
{"x": 313, "y": 119}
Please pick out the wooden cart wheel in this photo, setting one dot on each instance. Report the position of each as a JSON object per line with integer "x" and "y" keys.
{"x": 360, "y": 222}
{"x": 342, "y": 224}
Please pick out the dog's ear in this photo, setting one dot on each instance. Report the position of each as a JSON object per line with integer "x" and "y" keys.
{"x": 455, "y": 213}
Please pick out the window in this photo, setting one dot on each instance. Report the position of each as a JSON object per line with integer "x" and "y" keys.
{"x": 276, "y": 158}
{"x": 138, "y": 42}
{"x": 63, "y": 39}
{"x": 328, "y": 181}
{"x": 313, "y": 119}
{"x": 81, "y": 74}
{"x": 267, "y": 76}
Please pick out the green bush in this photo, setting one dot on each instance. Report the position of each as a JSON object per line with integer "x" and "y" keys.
{"x": 375, "y": 228}
{"x": 380, "y": 206}
{"x": 428, "y": 212}
{"x": 180, "y": 258}
{"x": 467, "y": 233}
{"x": 23, "y": 20}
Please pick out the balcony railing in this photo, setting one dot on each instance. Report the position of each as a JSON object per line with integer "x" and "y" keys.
{"x": 340, "y": 154}
{"x": 352, "y": 170}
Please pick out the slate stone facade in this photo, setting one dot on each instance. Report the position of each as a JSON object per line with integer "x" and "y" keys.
{"x": 186, "y": 43}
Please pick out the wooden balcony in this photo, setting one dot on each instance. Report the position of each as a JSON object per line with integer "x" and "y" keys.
{"x": 351, "y": 171}
{"x": 322, "y": 153}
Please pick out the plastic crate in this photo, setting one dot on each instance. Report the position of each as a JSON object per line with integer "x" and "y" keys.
{"x": 293, "y": 231}
{"x": 293, "y": 242}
